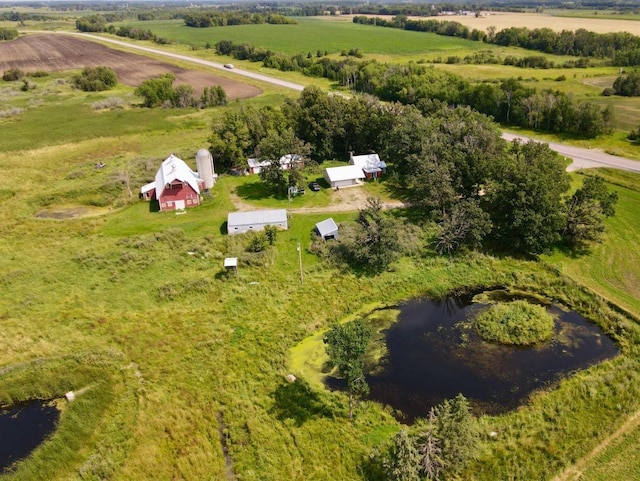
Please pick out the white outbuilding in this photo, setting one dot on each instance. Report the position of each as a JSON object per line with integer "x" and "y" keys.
{"x": 328, "y": 229}
{"x": 239, "y": 222}
{"x": 344, "y": 176}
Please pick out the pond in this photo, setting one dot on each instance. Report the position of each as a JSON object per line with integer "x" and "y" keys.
{"x": 433, "y": 353}
{"x": 23, "y": 428}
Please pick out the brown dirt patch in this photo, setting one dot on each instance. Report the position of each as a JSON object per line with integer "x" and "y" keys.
{"x": 54, "y": 53}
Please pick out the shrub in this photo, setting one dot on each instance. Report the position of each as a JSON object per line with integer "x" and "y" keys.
{"x": 38, "y": 73}
{"x": 517, "y": 322}
{"x": 95, "y": 79}
{"x": 8, "y": 33}
{"x": 12, "y": 74}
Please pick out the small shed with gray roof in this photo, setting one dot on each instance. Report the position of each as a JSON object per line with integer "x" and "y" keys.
{"x": 328, "y": 229}
{"x": 256, "y": 220}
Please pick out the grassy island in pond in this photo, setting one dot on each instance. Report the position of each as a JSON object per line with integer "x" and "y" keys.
{"x": 516, "y": 322}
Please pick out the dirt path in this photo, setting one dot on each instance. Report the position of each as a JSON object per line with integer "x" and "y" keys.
{"x": 344, "y": 200}
{"x": 574, "y": 472}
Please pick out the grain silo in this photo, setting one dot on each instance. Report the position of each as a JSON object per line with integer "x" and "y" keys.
{"x": 204, "y": 164}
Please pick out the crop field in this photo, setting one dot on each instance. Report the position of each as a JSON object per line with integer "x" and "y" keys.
{"x": 180, "y": 367}
{"x": 502, "y": 20}
{"x": 53, "y": 53}
{"x": 311, "y": 35}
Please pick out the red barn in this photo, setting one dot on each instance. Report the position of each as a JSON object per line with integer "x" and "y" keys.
{"x": 176, "y": 185}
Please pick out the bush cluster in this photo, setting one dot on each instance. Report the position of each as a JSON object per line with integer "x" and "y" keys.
{"x": 95, "y": 79}
{"x": 518, "y": 323}
{"x": 12, "y": 74}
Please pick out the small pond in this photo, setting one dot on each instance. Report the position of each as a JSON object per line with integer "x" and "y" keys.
{"x": 433, "y": 353}
{"x": 23, "y": 428}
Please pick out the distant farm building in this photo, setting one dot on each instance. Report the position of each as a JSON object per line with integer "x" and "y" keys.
{"x": 344, "y": 176}
{"x": 370, "y": 164}
{"x": 328, "y": 229}
{"x": 255, "y": 166}
{"x": 239, "y": 222}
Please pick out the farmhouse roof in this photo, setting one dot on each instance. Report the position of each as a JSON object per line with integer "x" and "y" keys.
{"x": 264, "y": 217}
{"x": 368, "y": 162}
{"x": 290, "y": 159}
{"x": 258, "y": 163}
{"x": 326, "y": 227}
{"x": 345, "y": 172}
{"x": 174, "y": 168}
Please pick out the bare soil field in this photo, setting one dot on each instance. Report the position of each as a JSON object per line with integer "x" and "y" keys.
{"x": 529, "y": 20}
{"x": 53, "y": 53}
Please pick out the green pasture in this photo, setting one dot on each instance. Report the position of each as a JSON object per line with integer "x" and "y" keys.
{"x": 611, "y": 268}
{"x": 132, "y": 309}
{"x": 311, "y": 35}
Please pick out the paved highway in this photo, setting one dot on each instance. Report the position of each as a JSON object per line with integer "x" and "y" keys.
{"x": 582, "y": 158}
{"x": 585, "y": 158}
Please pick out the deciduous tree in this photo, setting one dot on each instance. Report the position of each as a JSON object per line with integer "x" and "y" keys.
{"x": 346, "y": 345}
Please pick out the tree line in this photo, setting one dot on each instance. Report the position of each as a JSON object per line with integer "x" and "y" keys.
{"x": 507, "y": 101}
{"x": 622, "y": 48}
{"x": 216, "y": 18}
{"x": 450, "y": 163}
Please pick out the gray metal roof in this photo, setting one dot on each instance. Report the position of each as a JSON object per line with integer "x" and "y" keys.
{"x": 274, "y": 216}
{"x": 327, "y": 227}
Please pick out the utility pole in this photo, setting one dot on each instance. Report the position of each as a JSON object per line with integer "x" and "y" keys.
{"x": 300, "y": 261}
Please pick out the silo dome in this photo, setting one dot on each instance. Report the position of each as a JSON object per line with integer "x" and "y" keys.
{"x": 204, "y": 164}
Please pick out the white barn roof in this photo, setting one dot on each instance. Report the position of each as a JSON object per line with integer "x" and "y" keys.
{"x": 327, "y": 227}
{"x": 174, "y": 168}
{"x": 346, "y": 172}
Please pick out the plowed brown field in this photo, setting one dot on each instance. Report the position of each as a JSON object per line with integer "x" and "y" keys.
{"x": 52, "y": 53}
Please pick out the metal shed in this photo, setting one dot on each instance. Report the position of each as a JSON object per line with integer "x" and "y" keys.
{"x": 239, "y": 222}
{"x": 343, "y": 176}
{"x": 327, "y": 229}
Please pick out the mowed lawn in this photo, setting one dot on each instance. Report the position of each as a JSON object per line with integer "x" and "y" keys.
{"x": 612, "y": 268}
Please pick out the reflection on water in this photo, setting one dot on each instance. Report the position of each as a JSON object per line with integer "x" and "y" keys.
{"x": 432, "y": 355}
{"x": 23, "y": 428}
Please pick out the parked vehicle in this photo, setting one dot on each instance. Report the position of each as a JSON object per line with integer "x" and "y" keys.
{"x": 314, "y": 186}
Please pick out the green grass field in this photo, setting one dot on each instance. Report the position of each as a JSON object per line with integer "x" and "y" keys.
{"x": 612, "y": 266}
{"x": 311, "y": 35}
{"x": 132, "y": 308}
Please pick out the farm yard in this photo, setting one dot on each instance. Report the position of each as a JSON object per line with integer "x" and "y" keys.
{"x": 182, "y": 370}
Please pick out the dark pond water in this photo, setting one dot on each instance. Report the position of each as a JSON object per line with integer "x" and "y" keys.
{"x": 433, "y": 355}
{"x": 23, "y": 428}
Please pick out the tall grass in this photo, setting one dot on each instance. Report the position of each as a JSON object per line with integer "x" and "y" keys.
{"x": 135, "y": 306}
